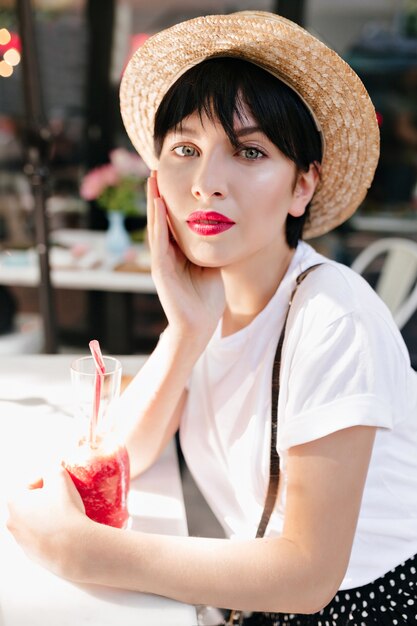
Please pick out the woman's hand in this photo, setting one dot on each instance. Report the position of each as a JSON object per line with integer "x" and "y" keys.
{"x": 48, "y": 521}
{"x": 192, "y": 297}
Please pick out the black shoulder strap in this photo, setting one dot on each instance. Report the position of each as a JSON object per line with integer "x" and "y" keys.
{"x": 272, "y": 492}
{"x": 235, "y": 616}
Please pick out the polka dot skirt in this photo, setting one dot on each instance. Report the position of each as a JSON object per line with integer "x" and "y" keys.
{"x": 389, "y": 601}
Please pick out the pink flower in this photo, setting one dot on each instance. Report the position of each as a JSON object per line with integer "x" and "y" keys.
{"x": 96, "y": 181}
{"x": 128, "y": 164}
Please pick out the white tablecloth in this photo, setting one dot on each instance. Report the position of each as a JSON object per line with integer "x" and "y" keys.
{"x": 35, "y": 416}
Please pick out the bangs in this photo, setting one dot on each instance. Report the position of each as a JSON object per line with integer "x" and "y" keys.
{"x": 222, "y": 87}
{"x": 207, "y": 90}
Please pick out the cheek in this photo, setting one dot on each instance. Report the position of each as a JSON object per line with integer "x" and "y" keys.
{"x": 272, "y": 183}
{"x": 171, "y": 187}
{"x": 163, "y": 178}
{"x": 273, "y": 202}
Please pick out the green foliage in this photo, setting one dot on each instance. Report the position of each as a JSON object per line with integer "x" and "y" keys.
{"x": 126, "y": 197}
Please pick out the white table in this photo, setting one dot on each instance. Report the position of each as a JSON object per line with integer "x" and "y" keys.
{"x": 95, "y": 279}
{"x": 20, "y": 268}
{"x": 35, "y": 410}
{"x": 112, "y": 299}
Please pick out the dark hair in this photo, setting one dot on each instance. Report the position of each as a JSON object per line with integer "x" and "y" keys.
{"x": 219, "y": 87}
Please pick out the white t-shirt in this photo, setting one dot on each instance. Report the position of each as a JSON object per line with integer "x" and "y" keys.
{"x": 344, "y": 364}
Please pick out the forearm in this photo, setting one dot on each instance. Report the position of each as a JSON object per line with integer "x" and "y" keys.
{"x": 263, "y": 574}
{"x": 147, "y": 406}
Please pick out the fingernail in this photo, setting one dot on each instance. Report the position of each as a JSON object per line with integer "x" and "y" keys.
{"x": 154, "y": 187}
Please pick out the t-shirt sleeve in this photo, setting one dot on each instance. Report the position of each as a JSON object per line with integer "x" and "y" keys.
{"x": 342, "y": 373}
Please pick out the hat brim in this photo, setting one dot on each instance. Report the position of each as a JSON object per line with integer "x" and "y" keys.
{"x": 333, "y": 92}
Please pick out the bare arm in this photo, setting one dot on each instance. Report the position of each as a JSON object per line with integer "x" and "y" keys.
{"x": 152, "y": 404}
{"x": 298, "y": 572}
{"x": 193, "y": 301}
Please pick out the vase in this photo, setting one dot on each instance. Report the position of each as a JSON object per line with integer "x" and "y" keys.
{"x": 117, "y": 238}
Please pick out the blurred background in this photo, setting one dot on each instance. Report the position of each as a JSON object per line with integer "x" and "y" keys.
{"x": 67, "y": 166}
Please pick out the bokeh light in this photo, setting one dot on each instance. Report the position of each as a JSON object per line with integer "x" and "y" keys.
{"x": 6, "y": 70}
{"x": 12, "y": 57}
{"x": 5, "y": 37}
{"x": 10, "y": 48}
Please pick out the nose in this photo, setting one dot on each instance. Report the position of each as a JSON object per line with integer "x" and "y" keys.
{"x": 210, "y": 178}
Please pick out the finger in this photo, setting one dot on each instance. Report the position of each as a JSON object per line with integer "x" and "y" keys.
{"x": 154, "y": 185}
{"x": 36, "y": 484}
{"x": 57, "y": 486}
{"x": 20, "y": 505}
{"x": 63, "y": 481}
{"x": 161, "y": 231}
{"x": 58, "y": 480}
{"x": 172, "y": 236}
{"x": 152, "y": 194}
{"x": 154, "y": 176}
{"x": 150, "y": 210}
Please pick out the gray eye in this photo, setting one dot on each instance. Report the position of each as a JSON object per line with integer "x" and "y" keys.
{"x": 187, "y": 151}
{"x": 251, "y": 153}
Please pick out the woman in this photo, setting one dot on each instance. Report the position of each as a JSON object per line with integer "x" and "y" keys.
{"x": 257, "y": 133}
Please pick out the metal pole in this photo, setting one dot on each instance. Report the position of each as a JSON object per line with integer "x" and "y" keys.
{"x": 37, "y": 141}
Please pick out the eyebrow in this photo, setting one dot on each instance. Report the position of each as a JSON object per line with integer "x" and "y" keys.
{"x": 248, "y": 130}
{"x": 240, "y": 132}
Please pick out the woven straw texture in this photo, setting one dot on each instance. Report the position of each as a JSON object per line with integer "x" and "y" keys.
{"x": 340, "y": 105}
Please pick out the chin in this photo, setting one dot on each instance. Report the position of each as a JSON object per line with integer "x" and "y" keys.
{"x": 203, "y": 262}
{"x": 203, "y": 256}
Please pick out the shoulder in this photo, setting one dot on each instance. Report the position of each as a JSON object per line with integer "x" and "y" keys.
{"x": 335, "y": 304}
{"x": 333, "y": 290}
{"x": 329, "y": 292}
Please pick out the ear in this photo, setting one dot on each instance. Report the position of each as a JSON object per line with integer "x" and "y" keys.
{"x": 304, "y": 188}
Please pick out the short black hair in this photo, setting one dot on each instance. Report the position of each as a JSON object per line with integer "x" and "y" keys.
{"x": 219, "y": 87}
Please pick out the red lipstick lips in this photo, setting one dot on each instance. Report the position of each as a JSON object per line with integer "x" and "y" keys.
{"x": 208, "y": 223}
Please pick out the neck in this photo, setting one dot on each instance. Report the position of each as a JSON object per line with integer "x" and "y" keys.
{"x": 250, "y": 286}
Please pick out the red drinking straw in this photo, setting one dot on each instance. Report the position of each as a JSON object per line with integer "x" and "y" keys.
{"x": 98, "y": 380}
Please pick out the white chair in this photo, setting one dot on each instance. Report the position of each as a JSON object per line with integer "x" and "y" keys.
{"x": 396, "y": 261}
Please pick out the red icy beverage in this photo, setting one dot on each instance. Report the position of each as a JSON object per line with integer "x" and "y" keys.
{"x": 99, "y": 466}
{"x": 102, "y": 478}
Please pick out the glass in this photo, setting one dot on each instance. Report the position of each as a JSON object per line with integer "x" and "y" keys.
{"x": 99, "y": 463}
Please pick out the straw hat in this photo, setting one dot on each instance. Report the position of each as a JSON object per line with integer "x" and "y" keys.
{"x": 334, "y": 94}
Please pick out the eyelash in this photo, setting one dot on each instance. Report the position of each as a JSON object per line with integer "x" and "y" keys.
{"x": 247, "y": 148}
{"x": 183, "y": 146}
{"x": 241, "y": 150}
